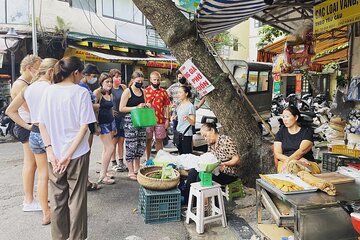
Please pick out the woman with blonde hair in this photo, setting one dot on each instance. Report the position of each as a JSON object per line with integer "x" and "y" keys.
{"x": 135, "y": 138}
{"x": 32, "y": 96}
{"x": 107, "y": 124}
{"x": 28, "y": 69}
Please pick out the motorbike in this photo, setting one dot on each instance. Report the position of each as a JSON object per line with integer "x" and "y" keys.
{"x": 6, "y": 124}
{"x": 306, "y": 103}
{"x": 353, "y": 209}
{"x": 277, "y": 104}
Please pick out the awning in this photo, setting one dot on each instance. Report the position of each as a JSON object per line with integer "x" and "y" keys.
{"x": 215, "y": 16}
{"x": 110, "y": 41}
{"x": 329, "y": 47}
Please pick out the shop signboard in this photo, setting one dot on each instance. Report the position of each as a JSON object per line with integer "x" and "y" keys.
{"x": 196, "y": 78}
{"x": 298, "y": 84}
{"x": 332, "y": 14}
{"x": 277, "y": 83}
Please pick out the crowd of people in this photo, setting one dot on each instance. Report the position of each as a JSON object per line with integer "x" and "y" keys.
{"x": 57, "y": 115}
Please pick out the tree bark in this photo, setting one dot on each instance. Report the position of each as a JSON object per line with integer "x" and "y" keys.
{"x": 181, "y": 37}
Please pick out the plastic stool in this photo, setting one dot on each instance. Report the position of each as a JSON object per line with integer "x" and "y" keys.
{"x": 217, "y": 213}
{"x": 234, "y": 190}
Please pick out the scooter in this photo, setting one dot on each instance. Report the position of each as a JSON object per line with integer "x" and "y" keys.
{"x": 353, "y": 209}
{"x": 277, "y": 104}
{"x": 306, "y": 103}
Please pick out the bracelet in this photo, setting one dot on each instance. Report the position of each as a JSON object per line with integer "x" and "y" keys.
{"x": 47, "y": 146}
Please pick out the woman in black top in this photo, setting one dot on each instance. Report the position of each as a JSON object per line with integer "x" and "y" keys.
{"x": 293, "y": 144}
{"x": 107, "y": 124}
{"x": 135, "y": 138}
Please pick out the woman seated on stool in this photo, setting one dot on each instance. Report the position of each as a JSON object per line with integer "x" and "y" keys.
{"x": 293, "y": 145}
{"x": 224, "y": 149}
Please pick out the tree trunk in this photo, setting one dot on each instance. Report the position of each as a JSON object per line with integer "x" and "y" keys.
{"x": 181, "y": 37}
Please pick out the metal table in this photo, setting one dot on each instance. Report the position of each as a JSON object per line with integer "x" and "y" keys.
{"x": 316, "y": 215}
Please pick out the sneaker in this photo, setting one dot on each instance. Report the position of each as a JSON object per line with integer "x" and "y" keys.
{"x": 31, "y": 207}
{"x": 115, "y": 167}
{"x": 121, "y": 167}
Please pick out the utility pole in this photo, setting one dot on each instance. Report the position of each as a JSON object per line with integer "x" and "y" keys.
{"x": 34, "y": 36}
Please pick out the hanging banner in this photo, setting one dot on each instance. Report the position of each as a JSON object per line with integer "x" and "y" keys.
{"x": 298, "y": 84}
{"x": 277, "y": 83}
{"x": 332, "y": 14}
{"x": 196, "y": 78}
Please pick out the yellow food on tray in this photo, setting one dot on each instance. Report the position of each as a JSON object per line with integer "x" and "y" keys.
{"x": 283, "y": 185}
{"x": 322, "y": 184}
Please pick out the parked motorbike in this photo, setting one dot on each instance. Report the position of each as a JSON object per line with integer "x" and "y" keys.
{"x": 6, "y": 124}
{"x": 353, "y": 209}
{"x": 277, "y": 104}
{"x": 306, "y": 103}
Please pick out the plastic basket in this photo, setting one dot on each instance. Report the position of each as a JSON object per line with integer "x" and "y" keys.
{"x": 344, "y": 150}
{"x": 205, "y": 179}
{"x": 332, "y": 161}
{"x": 159, "y": 206}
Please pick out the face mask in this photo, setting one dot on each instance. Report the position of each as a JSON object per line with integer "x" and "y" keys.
{"x": 155, "y": 85}
{"x": 116, "y": 81}
{"x": 92, "y": 81}
{"x": 138, "y": 84}
{"x": 106, "y": 88}
{"x": 182, "y": 80}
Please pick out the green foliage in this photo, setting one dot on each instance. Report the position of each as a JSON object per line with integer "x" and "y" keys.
{"x": 331, "y": 67}
{"x": 61, "y": 27}
{"x": 189, "y": 5}
{"x": 221, "y": 39}
{"x": 268, "y": 34}
{"x": 341, "y": 81}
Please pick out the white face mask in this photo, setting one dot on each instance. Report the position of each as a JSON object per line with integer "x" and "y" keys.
{"x": 107, "y": 88}
{"x": 92, "y": 81}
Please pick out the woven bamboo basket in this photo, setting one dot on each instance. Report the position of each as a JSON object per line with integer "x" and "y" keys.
{"x": 156, "y": 184}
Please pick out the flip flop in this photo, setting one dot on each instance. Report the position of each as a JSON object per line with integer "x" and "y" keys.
{"x": 106, "y": 181}
{"x": 110, "y": 176}
{"x": 93, "y": 187}
{"x": 132, "y": 177}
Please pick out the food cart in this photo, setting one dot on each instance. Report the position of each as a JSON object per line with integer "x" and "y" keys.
{"x": 313, "y": 215}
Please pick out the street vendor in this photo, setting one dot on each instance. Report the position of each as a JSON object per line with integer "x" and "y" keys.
{"x": 293, "y": 145}
{"x": 224, "y": 148}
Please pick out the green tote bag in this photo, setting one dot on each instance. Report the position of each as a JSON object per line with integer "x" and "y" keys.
{"x": 143, "y": 117}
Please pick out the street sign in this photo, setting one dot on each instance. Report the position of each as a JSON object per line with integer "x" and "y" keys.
{"x": 332, "y": 14}
{"x": 196, "y": 78}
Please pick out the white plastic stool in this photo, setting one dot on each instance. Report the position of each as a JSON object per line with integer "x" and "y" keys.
{"x": 201, "y": 193}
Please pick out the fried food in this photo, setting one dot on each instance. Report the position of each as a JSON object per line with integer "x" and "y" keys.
{"x": 322, "y": 184}
{"x": 283, "y": 185}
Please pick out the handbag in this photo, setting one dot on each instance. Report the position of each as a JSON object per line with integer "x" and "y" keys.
{"x": 178, "y": 136}
{"x": 143, "y": 117}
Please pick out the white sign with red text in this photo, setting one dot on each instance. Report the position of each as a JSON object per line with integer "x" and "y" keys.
{"x": 196, "y": 78}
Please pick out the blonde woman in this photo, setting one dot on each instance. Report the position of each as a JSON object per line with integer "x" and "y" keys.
{"x": 107, "y": 124}
{"x": 32, "y": 96}
{"x": 28, "y": 69}
{"x": 135, "y": 138}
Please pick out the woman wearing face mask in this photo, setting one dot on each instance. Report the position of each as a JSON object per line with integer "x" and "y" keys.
{"x": 224, "y": 149}
{"x": 135, "y": 138}
{"x": 65, "y": 113}
{"x": 32, "y": 96}
{"x": 186, "y": 119}
{"x": 107, "y": 124}
{"x": 28, "y": 69}
{"x": 117, "y": 91}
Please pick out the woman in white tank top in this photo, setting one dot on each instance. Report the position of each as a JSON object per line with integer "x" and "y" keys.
{"x": 32, "y": 96}
{"x": 28, "y": 69}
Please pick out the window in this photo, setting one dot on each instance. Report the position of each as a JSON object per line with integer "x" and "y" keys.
{"x": 123, "y": 10}
{"x": 258, "y": 81}
{"x": 258, "y": 24}
{"x": 236, "y": 44}
{"x": 14, "y": 12}
{"x": 86, "y": 5}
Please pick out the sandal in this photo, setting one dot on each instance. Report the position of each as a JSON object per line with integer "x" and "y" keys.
{"x": 46, "y": 220}
{"x": 132, "y": 177}
{"x": 110, "y": 176}
{"x": 106, "y": 181}
{"x": 93, "y": 187}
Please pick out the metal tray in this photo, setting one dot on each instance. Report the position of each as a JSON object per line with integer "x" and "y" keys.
{"x": 291, "y": 178}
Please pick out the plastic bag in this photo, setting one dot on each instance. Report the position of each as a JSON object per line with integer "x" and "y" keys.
{"x": 168, "y": 173}
{"x": 207, "y": 163}
{"x": 163, "y": 158}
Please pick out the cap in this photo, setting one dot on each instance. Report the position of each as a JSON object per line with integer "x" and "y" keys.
{"x": 91, "y": 69}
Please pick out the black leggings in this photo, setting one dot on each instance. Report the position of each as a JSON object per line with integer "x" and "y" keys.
{"x": 185, "y": 145}
{"x": 222, "y": 179}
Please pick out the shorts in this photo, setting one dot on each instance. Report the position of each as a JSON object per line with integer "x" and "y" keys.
{"x": 21, "y": 133}
{"x": 106, "y": 128}
{"x": 160, "y": 131}
{"x": 119, "y": 122}
{"x": 36, "y": 143}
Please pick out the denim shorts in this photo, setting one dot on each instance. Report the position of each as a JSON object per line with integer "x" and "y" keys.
{"x": 106, "y": 128}
{"x": 36, "y": 143}
{"x": 21, "y": 133}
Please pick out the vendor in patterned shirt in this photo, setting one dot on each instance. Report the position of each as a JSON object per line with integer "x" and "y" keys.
{"x": 159, "y": 100}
